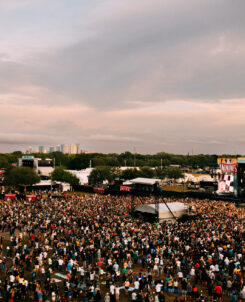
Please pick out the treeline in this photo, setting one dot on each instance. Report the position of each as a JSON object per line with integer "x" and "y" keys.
{"x": 83, "y": 160}
{"x": 110, "y": 174}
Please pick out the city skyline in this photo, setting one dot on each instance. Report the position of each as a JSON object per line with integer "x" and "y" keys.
{"x": 119, "y": 76}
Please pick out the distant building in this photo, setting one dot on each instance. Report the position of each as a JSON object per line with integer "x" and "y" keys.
{"x": 70, "y": 148}
{"x": 29, "y": 150}
{"x": 58, "y": 148}
{"x": 51, "y": 149}
{"x": 42, "y": 149}
{"x": 65, "y": 148}
{"x": 73, "y": 149}
{"x": 78, "y": 148}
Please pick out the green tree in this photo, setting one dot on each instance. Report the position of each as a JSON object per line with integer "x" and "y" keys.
{"x": 146, "y": 172}
{"x": 96, "y": 177}
{"x": 98, "y": 162}
{"x": 60, "y": 174}
{"x": 60, "y": 159}
{"x": 21, "y": 176}
{"x": 160, "y": 173}
{"x": 174, "y": 173}
{"x": 129, "y": 174}
{"x": 4, "y": 163}
{"x": 79, "y": 161}
{"x": 100, "y": 174}
{"x": 115, "y": 174}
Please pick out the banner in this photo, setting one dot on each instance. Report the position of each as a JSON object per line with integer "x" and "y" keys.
{"x": 125, "y": 188}
{"x": 99, "y": 190}
{"x": 228, "y": 168}
{"x": 31, "y": 197}
{"x": 227, "y": 164}
{"x": 9, "y": 196}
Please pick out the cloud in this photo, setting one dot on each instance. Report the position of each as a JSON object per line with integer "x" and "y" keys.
{"x": 114, "y": 74}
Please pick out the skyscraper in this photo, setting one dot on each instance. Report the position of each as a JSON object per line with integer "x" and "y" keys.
{"x": 73, "y": 149}
{"x": 65, "y": 148}
{"x": 78, "y": 148}
{"x": 42, "y": 149}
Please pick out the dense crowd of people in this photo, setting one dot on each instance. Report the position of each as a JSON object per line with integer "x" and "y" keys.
{"x": 90, "y": 248}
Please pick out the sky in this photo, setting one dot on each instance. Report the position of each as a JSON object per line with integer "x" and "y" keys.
{"x": 123, "y": 75}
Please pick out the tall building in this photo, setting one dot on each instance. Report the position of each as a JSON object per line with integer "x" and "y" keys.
{"x": 78, "y": 148}
{"x": 65, "y": 148}
{"x": 58, "y": 148}
{"x": 51, "y": 149}
{"x": 70, "y": 148}
{"x": 29, "y": 150}
{"x": 42, "y": 149}
{"x": 73, "y": 149}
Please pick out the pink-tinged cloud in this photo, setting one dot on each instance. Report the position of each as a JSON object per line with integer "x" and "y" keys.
{"x": 118, "y": 75}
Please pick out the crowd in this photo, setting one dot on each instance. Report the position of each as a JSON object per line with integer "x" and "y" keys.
{"x": 90, "y": 248}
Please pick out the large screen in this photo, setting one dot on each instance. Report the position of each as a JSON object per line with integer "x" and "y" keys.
{"x": 28, "y": 163}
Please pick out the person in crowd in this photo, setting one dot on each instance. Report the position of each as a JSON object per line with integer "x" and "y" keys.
{"x": 87, "y": 247}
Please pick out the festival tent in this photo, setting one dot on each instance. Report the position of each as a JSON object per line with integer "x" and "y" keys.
{"x": 9, "y": 196}
{"x": 31, "y": 197}
{"x": 145, "y": 181}
{"x": 178, "y": 209}
{"x": 82, "y": 175}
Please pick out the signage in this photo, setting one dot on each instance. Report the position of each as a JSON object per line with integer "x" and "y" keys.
{"x": 99, "y": 190}
{"x": 31, "y": 197}
{"x": 125, "y": 188}
{"x": 227, "y": 164}
{"x": 28, "y": 157}
{"x": 228, "y": 168}
{"x": 9, "y": 196}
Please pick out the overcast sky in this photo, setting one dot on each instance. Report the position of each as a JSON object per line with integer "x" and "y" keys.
{"x": 117, "y": 75}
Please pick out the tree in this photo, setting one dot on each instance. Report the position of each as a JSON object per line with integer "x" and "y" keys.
{"x": 129, "y": 174}
{"x": 98, "y": 162}
{"x": 115, "y": 174}
{"x": 160, "y": 173}
{"x": 60, "y": 158}
{"x": 21, "y": 176}
{"x": 174, "y": 173}
{"x": 100, "y": 174}
{"x": 79, "y": 161}
{"x": 146, "y": 172}
{"x": 4, "y": 163}
{"x": 60, "y": 174}
{"x": 96, "y": 177}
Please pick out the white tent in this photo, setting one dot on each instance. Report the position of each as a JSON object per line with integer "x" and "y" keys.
{"x": 145, "y": 181}
{"x": 82, "y": 175}
{"x": 195, "y": 178}
{"x": 45, "y": 171}
{"x": 177, "y": 208}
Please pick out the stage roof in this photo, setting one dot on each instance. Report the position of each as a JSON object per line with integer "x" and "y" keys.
{"x": 150, "y": 208}
{"x": 145, "y": 181}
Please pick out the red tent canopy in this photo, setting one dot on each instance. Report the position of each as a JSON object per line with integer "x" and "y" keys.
{"x": 31, "y": 197}
{"x": 99, "y": 190}
{"x": 9, "y": 196}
